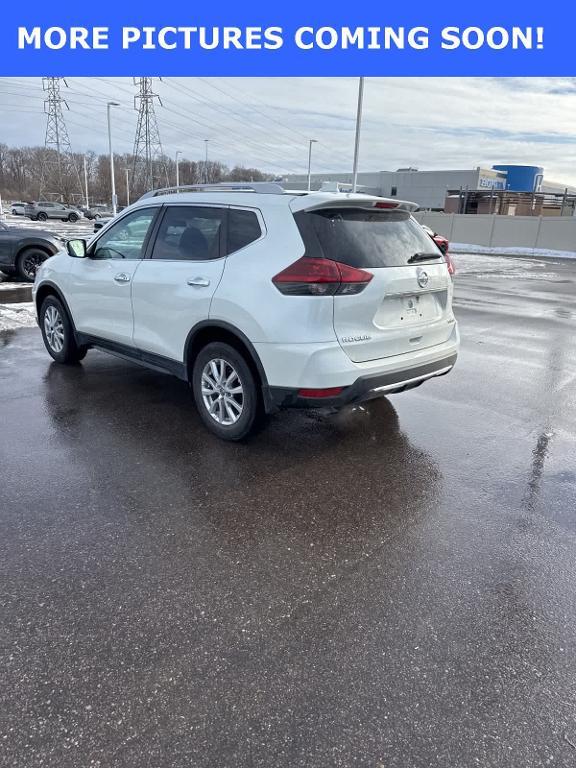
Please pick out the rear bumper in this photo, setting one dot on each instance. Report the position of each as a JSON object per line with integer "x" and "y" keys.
{"x": 326, "y": 364}
{"x": 364, "y": 388}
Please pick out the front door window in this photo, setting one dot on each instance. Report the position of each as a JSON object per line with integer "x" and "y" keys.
{"x": 127, "y": 238}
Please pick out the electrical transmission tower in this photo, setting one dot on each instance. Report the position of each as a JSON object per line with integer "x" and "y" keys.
{"x": 59, "y": 175}
{"x": 149, "y": 165}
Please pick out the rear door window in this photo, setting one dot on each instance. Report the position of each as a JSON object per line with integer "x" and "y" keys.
{"x": 364, "y": 238}
{"x": 243, "y": 228}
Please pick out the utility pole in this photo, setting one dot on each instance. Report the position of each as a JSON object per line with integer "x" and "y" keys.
{"x": 127, "y": 171}
{"x": 564, "y": 196}
{"x": 112, "y": 179}
{"x": 206, "y": 161}
{"x": 148, "y": 154}
{"x": 59, "y": 166}
{"x": 358, "y": 127}
{"x": 465, "y": 201}
{"x": 85, "y": 181}
{"x": 178, "y": 153}
{"x": 310, "y": 142}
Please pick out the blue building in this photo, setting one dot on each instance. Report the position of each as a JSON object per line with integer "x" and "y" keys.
{"x": 522, "y": 178}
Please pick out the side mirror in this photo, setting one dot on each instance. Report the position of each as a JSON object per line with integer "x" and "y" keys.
{"x": 76, "y": 248}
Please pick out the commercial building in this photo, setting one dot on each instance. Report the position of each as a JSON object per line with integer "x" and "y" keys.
{"x": 432, "y": 189}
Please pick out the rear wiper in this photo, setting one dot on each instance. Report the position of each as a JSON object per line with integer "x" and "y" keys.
{"x": 424, "y": 257}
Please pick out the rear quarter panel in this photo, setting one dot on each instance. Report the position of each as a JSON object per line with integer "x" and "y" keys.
{"x": 248, "y": 300}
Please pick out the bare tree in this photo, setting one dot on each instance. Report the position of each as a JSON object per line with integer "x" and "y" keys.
{"x": 21, "y": 170}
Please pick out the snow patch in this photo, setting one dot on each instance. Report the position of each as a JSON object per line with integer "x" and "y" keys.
{"x": 21, "y": 315}
{"x": 541, "y": 253}
{"x": 6, "y": 286}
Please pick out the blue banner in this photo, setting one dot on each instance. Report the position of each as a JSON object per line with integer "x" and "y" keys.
{"x": 272, "y": 39}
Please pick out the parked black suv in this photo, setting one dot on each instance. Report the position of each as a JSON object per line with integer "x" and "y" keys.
{"x": 22, "y": 250}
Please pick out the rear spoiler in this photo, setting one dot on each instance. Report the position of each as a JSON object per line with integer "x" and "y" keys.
{"x": 314, "y": 201}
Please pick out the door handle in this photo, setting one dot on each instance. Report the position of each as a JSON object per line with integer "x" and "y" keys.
{"x": 122, "y": 277}
{"x": 202, "y": 282}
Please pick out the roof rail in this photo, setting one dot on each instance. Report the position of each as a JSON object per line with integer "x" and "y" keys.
{"x": 264, "y": 187}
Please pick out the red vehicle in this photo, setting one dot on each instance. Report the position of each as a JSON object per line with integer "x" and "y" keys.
{"x": 443, "y": 244}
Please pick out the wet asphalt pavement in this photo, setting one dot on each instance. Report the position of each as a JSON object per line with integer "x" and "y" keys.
{"x": 393, "y": 586}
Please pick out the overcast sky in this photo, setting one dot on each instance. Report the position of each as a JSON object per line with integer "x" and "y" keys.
{"x": 266, "y": 122}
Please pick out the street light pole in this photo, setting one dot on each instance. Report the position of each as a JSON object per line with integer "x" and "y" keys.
{"x": 178, "y": 153}
{"x": 127, "y": 171}
{"x": 206, "y": 161}
{"x": 310, "y": 142}
{"x": 112, "y": 180}
{"x": 358, "y": 126}
{"x": 85, "y": 182}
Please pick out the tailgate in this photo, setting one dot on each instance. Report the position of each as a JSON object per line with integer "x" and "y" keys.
{"x": 407, "y": 305}
{"x": 396, "y": 313}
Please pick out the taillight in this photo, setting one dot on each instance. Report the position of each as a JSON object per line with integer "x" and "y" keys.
{"x": 320, "y": 277}
{"x": 388, "y": 204}
{"x": 450, "y": 263}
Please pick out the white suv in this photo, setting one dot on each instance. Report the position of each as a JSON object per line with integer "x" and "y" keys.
{"x": 258, "y": 297}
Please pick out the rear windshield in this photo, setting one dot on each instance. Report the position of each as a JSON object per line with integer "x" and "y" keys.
{"x": 363, "y": 238}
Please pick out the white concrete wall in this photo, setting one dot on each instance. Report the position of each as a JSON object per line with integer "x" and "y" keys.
{"x": 562, "y": 235}
{"x": 557, "y": 234}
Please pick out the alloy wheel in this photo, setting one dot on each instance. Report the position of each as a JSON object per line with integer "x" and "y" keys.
{"x": 222, "y": 391}
{"x": 30, "y": 264}
{"x": 54, "y": 329}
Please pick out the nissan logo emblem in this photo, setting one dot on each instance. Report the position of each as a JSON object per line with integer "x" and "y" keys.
{"x": 423, "y": 278}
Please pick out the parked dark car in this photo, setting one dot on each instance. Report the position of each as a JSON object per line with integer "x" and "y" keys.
{"x": 22, "y": 250}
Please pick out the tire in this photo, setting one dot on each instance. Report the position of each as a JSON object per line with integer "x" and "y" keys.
{"x": 227, "y": 370}
{"x": 41, "y": 217}
{"x": 96, "y": 216}
{"x": 73, "y": 217}
{"x": 28, "y": 262}
{"x": 14, "y": 212}
{"x": 58, "y": 334}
